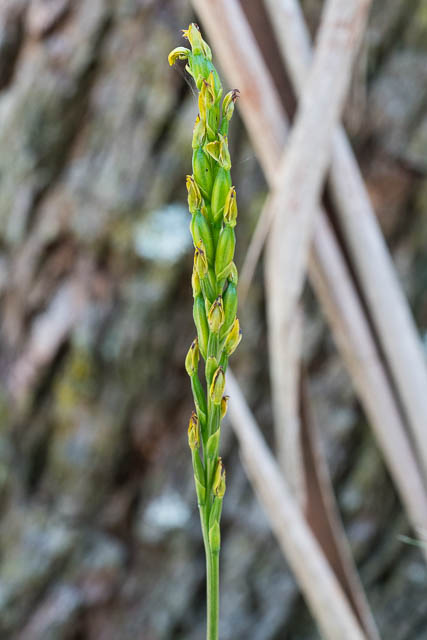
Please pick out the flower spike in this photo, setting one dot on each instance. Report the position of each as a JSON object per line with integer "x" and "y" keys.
{"x": 213, "y": 208}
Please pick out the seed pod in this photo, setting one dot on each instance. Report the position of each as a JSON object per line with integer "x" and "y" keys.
{"x": 230, "y": 308}
{"x": 201, "y": 232}
{"x": 201, "y": 323}
{"x": 230, "y": 208}
{"x": 202, "y": 172}
{"x": 216, "y": 315}
{"x": 217, "y": 387}
{"x": 224, "y": 252}
{"x": 233, "y": 338}
{"x": 194, "y": 195}
{"x": 193, "y": 432}
{"x": 220, "y": 190}
{"x": 192, "y": 359}
{"x": 224, "y": 406}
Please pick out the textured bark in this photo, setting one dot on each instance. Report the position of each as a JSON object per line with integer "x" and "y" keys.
{"x": 99, "y": 533}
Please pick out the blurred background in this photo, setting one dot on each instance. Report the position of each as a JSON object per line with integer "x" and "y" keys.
{"x": 99, "y": 534}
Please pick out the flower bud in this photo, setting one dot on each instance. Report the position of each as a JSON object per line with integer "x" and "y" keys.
{"x": 201, "y": 232}
{"x": 218, "y": 149}
{"x": 202, "y": 104}
{"x": 216, "y": 83}
{"x": 215, "y": 86}
{"x": 224, "y": 154}
{"x": 202, "y": 172}
{"x": 230, "y": 208}
{"x": 198, "y": 45}
{"x": 211, "y": 367}
{"x": 199, "y": 472}
{"x": 210, "y": 285}
{"x": 224, "y": 252}
{"x": 217, "y": 386}
{"x": 233, "y": 276}
{"x": 230, "y": 307}
{"x": 199, "y": 133}
{"x": 207, "y": 51}
{"x": 194, "y": 195}
{"x": 230, "y": 304}
{"x": 212, "y": 122}
{"x": 203, "y": 71}
{"x": 207, "y": 96}
{"x": 213, "y": 149}
{"x": 220, "y": 190}
{"x": 179, "y": 53}
{"x": 218, "y": 484}
{"x": 220, "y": 489}
{"x": 228, "y": 103}
{"x": 205, "y": 209}
{"x": 192, "y": 359}
{"x": 212, "y": 445}
{"x": 200, "y": 260}
{"x": 193, "y": 432}
{"x": 200, "y": 490}
{"x": 216, "y": 315}
{"x": 195, "y": 283}
{"x": 201, "y": 67}
{"x": 214, "y": 520}
{"x": 233, "y": 338}
{"x": 224, "y": 406}
{"x": 199, "y": 400}
{"x": 201, "y": 323}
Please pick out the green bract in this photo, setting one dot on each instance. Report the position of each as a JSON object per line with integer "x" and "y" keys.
{"x": 213, "y": 209}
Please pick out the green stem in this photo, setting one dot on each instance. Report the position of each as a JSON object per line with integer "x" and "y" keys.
{"x": 212, "y": 580}
{"x": 212, "y": 584}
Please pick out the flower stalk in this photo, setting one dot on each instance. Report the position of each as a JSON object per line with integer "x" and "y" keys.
{"x": 213, "y": 208}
